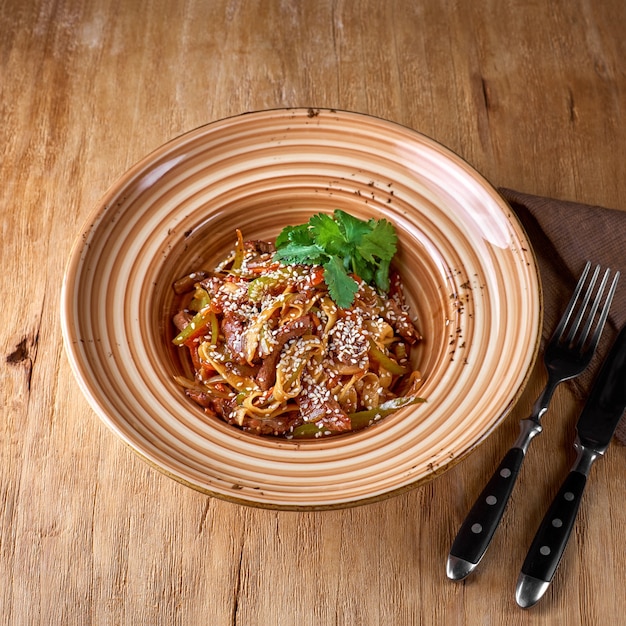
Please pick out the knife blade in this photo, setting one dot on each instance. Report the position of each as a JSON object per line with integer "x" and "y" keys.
{"x": 595, "y": 428}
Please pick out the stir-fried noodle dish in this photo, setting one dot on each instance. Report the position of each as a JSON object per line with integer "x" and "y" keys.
{"x": 274, "y": 354}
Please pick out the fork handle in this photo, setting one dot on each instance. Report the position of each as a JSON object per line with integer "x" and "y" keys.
{"x": 481, "y": 522}
{"x": 477, "y": 530}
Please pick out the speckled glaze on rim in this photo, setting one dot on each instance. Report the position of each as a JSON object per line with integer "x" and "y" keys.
{"x": 467, "y": 267}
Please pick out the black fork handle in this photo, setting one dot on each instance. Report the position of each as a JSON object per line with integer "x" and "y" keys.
{"x": 476, "y": 532}
{"x": 481, "y": 522}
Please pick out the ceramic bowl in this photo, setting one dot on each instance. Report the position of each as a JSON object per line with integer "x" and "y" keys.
{"x": 468, "y": 270}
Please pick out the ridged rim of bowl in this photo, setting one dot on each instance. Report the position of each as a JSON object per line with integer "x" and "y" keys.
{"x": 478, "y": 270}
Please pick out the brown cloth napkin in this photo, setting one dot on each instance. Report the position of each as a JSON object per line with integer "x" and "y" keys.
{"x": 564, "y": 235}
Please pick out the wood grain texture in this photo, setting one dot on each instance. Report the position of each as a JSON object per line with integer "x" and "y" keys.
{"x": 532, "y": 94}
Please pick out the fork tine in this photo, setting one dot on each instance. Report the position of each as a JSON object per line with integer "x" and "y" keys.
{"x": 595, "y": 338}
{"x": 594, "y": 309}
{"x": 583, "y": 307}
{"x": 558, "y": 331}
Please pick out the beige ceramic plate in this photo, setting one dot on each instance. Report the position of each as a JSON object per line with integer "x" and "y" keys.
{"x": 467, "y": 267}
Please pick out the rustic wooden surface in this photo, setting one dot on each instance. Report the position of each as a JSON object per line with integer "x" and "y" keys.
{"x": 533, "y": 94}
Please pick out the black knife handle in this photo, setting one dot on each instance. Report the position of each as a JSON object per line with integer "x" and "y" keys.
{"x": 553, "y": 533}
{"x": 477, "y": 530}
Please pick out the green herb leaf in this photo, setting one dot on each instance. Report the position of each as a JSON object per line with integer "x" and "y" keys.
{"x": 352, "y": 227}
{"x": 294, "y": 234}
{"x": 343, "y": 245}
{"x": 363, "y": 269}
{"x": 341, "y": 287}
{"x": 378, "y": 243}
{"x": 327, "y": 234}
{"x": 301, "y": 254}
{"x": 382, "y": 276}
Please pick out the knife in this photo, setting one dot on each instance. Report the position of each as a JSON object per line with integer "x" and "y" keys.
{"x": 596, "y": 425}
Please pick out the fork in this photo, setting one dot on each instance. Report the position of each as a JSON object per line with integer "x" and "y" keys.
{"x": 567, "y": 354}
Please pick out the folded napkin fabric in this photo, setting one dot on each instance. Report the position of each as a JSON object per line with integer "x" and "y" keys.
{"x": 565, "y": 235}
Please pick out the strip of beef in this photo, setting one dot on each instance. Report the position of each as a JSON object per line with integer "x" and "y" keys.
{"x": 295, "y": 328}
{"x": 181, "y": 319}
{"x": 258, "y": 253}
{"x": 232, "y": 329}
{"x": 211, "y": 283}
{"x": 318, "y": 405}
{"x": 400, "y": 321}
{"x": 278, "y": 425}
{"x": 187, "y": 283}
{"x": 200, "y": 397}
{"x": 222, "y": 405}
{"x": 262, "y": 247}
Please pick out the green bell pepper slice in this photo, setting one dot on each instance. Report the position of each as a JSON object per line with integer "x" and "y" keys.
{"x": 196, "y": 326}
{"x": 388, "y": 363}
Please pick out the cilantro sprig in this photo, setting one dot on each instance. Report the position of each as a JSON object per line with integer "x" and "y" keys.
{"x": 343, "y": 245}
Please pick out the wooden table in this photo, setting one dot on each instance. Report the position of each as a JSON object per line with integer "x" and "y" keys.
{"x": 531, "y": 94}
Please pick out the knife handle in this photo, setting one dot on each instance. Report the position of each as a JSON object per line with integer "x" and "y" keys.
{"x": 477, "y": 530}
{"x": 550, "y": 541}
